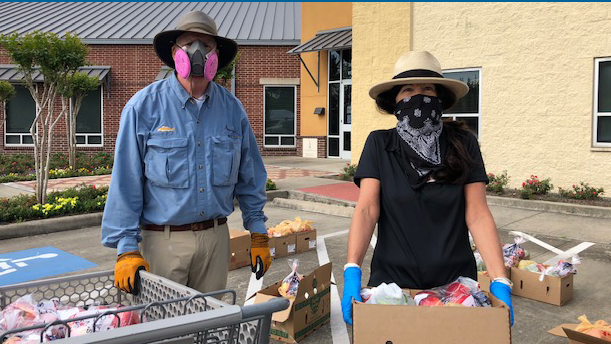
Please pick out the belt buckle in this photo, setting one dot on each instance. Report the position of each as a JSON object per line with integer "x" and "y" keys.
{"x": 197, "y": 226}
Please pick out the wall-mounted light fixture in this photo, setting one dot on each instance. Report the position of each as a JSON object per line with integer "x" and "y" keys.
{"x": 319, "y": 111}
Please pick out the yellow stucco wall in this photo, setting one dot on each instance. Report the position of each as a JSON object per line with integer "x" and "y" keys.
{"x": 318, "y": 16}
{"x": 537, "y": 79}
{"x": 380, "y": 34}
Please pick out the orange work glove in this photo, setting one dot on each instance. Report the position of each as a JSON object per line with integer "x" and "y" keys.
{"x": 260, "y": 258}
{"x": 126, "y": 271}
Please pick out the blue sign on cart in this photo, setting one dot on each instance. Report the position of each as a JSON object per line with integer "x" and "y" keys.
{"x": 36, "y": 263}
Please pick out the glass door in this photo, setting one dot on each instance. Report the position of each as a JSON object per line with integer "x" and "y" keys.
{"x": 339, "y": 104}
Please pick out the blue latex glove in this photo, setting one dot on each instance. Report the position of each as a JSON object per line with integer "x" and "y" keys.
{"x": 503, "y": 292}
{"x": 352, "y": 290}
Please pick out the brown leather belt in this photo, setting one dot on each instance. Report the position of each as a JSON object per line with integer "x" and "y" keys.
{"x": 198, "y": 226}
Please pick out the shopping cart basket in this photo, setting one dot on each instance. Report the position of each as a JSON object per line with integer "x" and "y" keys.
{"x": 174, "y": 312}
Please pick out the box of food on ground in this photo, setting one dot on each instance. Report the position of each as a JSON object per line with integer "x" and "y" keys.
{"x": 551, "y": 289}
{"x": 309, "y": 309}
{"x": 239, "y": 244}
{"x": 440, "y": 317}
{"x": 598, "y": 332}
{"x": 306, "y": 241}
{"x": 291, "y": 236}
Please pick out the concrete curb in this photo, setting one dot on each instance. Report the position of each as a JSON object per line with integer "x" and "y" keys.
{"x": 554, "y": 207}
{"x": 46, "y": 226}
{"x": 315, "y": 207}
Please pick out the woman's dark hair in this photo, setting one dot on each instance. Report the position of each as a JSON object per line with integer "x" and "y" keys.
{"x": 458, "y": 162}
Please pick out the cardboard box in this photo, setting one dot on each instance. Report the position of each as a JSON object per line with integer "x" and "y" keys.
{"x": 568, "y": 331}
{"x": 380, "y": 324}
{"x": 285, "y": 245}
{"x": 305, "y": 241}
{"x": 553, "y": 290}
{"x": 308, "y": 311}
{"x": 239, "y": 245}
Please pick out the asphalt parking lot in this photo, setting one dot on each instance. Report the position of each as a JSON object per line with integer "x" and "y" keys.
{"x": 532, "y": 318}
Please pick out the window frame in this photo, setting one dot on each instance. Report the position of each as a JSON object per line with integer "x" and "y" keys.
{"x": 21, "y": 135}
{"x": 280, "y": 136}
{"x": 595, "y": 113}
{"x": 101, "y": 134}
{"x": 479, "y": 98}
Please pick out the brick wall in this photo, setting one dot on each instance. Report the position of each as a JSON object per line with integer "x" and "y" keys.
{"x": 135, "y": 66}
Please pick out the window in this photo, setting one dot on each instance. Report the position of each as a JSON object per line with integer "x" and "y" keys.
{"x": 20, "y": 112}
{"x": 279, "y": 106}
{"x": 89, "y": 120}
{"x": 602, "y": 103}
{"x": 467, "y": 108}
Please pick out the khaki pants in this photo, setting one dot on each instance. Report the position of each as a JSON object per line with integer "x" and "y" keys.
{"x": 199, "y": 260}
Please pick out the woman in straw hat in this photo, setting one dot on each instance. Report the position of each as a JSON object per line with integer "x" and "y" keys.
{"x": 423, "y": 183}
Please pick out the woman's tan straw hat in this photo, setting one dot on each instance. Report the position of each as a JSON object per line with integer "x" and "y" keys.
{"x": 419, "y": 67}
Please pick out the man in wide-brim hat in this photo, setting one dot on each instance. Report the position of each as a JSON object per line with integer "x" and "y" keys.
{"x": 184, "y": 148}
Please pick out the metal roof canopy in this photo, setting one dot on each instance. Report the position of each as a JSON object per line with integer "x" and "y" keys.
{"x": 249, "y": 23}
{"x": 164, "y": 73}
{"x": 335, "y": 39}
{"x": 11, "y": 73}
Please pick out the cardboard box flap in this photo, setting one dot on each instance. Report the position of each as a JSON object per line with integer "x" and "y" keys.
{"x": 559, "y": 331}
{"x": 583, "y": 338}
{"x": 271, "y": 290}
{"x": 281, "y": 316}
{"x": 319, "y": 279}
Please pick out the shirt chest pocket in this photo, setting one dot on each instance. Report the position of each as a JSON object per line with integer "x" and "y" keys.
{"x": 225, "y": 160}
{"x": 167, "y": 163}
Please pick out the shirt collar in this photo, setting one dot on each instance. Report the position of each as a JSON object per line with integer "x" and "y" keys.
{"x": 393, "y": 141}
{"x": 183, "y": 95}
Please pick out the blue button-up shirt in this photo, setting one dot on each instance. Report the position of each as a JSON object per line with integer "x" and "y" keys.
{"x": 176, "y": 163}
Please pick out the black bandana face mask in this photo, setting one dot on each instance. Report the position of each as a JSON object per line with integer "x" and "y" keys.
{"x": 420, "y": 128}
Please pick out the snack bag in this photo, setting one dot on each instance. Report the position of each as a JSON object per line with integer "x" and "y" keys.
{"x": 513, "y": 253}
{"x": 600, "y": 329}
{"x": 387, "y": 294}
{"x": 290, "y": 284}
{"x": 462, "y": 292}
{"x": 20, "y": 313}
{"x": 565, "y": 268}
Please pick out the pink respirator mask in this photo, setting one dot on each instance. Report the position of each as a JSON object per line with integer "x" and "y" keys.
{"x": 194, "y": 61}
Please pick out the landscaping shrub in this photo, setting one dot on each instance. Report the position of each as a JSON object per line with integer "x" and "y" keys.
{"x": 581, "y": 191}
{"x": 347, "y": 173}
{"x": 497, "y": 183}
{"x": 270, "y": 185}
{"x": 535, "y": 186}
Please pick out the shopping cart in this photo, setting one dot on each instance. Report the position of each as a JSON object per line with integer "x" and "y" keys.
{"x": 174, "y": 313}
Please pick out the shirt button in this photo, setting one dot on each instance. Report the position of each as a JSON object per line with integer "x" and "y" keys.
{"x": 198, "y": 121}
{"x": 201, "y": 167}
{"x": 199, "y": 143}
{"x": 201, "y": 189}
{"x": 201, "y": 214}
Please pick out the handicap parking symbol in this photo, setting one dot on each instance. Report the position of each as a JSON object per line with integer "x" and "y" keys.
{"x": 37, "y": 263}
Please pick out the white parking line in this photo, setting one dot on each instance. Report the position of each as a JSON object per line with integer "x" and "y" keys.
{"x": 374, "y": 241}
{"x": 339, "y": 333}
{"x": 345, "y": 231}
{"x": 254, "y": 286}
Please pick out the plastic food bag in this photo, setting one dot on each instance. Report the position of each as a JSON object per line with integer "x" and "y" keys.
{"x": 386, "y": 294}
{"x": 290, "y": 284}
{"x": 600, "y": 329}
{"x": 479, "y": 261}
{"x": 462, "y": 292}
{"x": 565, "y": 268}
{"x": 514, "y": 253}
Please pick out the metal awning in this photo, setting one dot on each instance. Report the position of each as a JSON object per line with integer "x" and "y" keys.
{"x": 11, "y": 73}
{"x": 164, "y": 73}
{"x": 336, "y": 39}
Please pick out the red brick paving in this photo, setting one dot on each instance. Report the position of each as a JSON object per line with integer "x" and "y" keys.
{"x": 273, "y": 172}
{"x": 345, "y": 191}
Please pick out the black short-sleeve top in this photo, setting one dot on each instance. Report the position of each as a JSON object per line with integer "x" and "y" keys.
{"x": 423, "y": 238}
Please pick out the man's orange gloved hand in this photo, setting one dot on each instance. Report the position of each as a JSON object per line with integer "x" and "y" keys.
{"x": 126, "y": 271}
{"x": 260, "y": 258}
